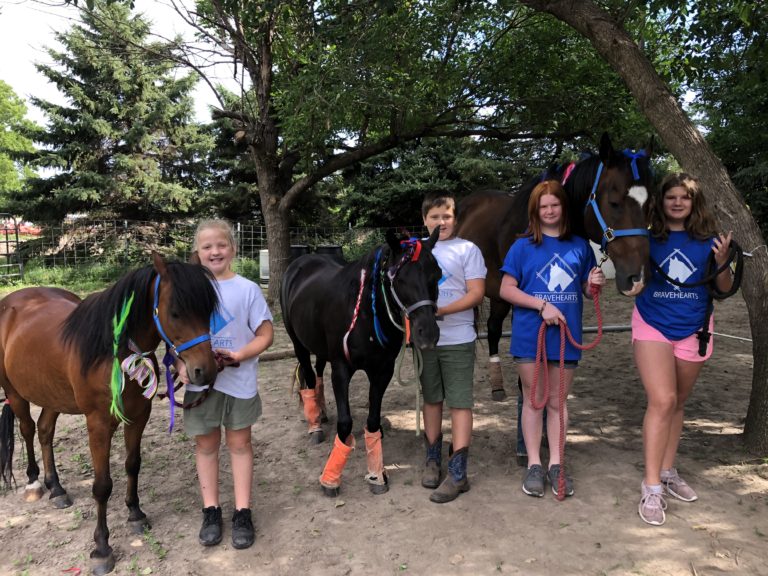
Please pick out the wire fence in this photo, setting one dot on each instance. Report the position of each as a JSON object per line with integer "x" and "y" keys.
{"x": 83, "y": 242}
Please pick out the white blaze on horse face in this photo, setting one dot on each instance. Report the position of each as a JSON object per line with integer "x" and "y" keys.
{"x": 640, "y": 194}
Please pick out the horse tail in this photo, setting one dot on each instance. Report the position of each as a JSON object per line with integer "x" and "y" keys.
{"x": 7, "y": 438}
{"x": 296, "y": 382}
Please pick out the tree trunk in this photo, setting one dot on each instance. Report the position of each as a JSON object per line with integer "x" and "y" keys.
{"x": 696, "y": 157}
{"x": 279, "y": 244}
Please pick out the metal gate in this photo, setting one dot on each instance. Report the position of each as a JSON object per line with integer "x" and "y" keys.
{"x": 11, "y": 265}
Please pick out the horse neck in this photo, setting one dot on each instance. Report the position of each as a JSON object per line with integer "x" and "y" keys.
{"x": 577, "y": 189}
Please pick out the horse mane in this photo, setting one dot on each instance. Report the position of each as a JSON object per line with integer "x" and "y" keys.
{"x": 89, "y": 328}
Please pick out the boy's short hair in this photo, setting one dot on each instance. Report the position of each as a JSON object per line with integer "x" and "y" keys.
{"x": 437, "y": 199}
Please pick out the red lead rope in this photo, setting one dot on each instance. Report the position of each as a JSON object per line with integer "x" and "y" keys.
{"x": 541, "y": 360}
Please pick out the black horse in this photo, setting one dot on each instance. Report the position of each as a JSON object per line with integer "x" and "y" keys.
{"x": 354, "y": 316}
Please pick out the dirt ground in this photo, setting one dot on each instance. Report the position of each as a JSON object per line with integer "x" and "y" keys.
{"x": 493, "y": 529}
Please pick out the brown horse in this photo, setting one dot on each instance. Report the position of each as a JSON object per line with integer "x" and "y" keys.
{"x": 605, "y": 197}
{"x": 59, "y": 353}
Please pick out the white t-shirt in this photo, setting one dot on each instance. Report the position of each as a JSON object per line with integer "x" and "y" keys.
{"x": 242, "y": 309}
{"x": 460, "y": 260}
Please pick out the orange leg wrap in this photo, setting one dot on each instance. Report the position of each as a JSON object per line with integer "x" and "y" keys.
{"x": 331, "y": 476}
{"x": 375, "y": 457}
{"x": 311, "y": 409}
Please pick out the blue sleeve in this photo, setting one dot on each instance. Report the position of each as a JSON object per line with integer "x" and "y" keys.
{"x": 589, "y": 261}
{"x": 513, "y": 261}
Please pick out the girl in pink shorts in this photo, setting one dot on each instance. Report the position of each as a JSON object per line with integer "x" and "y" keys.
{"x": 666, "y": 324}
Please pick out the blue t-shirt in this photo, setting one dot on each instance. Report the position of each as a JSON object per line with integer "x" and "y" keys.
{"x": 674, "y": 311}
{"x": 555, "y": 271}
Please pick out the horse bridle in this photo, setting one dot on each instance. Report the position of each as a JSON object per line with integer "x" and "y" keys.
{"x": 172, "y": 349}
{"x": 172, "y": 354}
{"x": 609, "y": 234}
{"x": 413, "y": 250}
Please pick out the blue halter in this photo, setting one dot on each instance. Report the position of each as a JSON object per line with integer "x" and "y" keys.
{"x": 609, "y": 234}
{"x": 172, "y": 348}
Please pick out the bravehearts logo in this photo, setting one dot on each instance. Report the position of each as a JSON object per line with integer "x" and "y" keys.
{"x": 556, "y": 274}
{"x": 219, "y": 319}
{"x": 678, "y": 267}
{"x": 446, "y": 275}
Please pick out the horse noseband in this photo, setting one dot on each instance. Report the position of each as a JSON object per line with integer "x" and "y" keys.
{"x": 609, "y": 234}
{"x": 172, "y": 348}
{"x": 412, "y": 253}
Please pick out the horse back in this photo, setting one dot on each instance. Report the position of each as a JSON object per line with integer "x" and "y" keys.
{"x": 314, "y": 296}
{"x": 33, "y": 360}
{"x": 491, "y": 219}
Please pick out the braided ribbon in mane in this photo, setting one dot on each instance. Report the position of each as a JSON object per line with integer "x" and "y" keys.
{"x": 117, "y": 383}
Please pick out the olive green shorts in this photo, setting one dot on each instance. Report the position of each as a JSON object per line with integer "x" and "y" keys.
{"x": 219, "y": 410}
{"x": 448, "y": 375}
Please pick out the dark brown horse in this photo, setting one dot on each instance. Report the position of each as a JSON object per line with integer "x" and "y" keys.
{"x": 352, "y": 316}
{"x": 59, "y": 353}
{"x": 605, "y": 197}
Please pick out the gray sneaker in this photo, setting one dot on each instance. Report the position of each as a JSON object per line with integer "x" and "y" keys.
{"x": 652, "y": 506}
{"x": 554, "y": 479}
{"x": 677, "y": 487}
{"x": 533, "y": 484}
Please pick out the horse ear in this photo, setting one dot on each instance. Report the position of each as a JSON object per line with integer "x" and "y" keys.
{"x": 194, "y": 258}
{"x": 159, "y": 263}
{"x": 433, "y": 238}
{"x": 606, "y": 149}
{"x": 393, "y": 240}
{"x": 649, "y": 148}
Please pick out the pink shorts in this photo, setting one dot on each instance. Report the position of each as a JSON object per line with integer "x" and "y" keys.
{"x": 685, "y": 349}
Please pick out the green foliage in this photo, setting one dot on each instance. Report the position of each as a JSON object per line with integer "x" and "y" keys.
{"x": 14, "y": 145}
{"x": 123, "y": 145}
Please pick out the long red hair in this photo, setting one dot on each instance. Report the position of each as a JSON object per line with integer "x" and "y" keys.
{"x": 554, "y": 188}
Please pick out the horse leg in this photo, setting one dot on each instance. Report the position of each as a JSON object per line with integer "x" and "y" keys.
{"x": 377, "y": 476}
{"x": 344, "y": 443}
{"x": 308, "y": 393}
{"x": 498, "y": 312}
{"x": 320, "y": 388}
{"x": 137, "y": 520}
{"x": 46, "y": 426}
{"x": 33, "y": 490}
{"x": 101, "y": 428}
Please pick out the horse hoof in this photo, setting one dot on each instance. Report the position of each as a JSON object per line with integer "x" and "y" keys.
{"x": 101, "y": 566}
{"x": 139, "y": 526}
{"x": 61, "y": 501}
{"x": 331, "y": 492}
{"x": 522, "y": 460}
{"x": 499, "y": 395}
{"x": 33, "y": 492}
{"x": 316, "y": 437}
{"x": 378, "y": 489}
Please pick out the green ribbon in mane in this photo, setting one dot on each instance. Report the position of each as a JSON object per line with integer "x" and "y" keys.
{"x": 116, "y": 385}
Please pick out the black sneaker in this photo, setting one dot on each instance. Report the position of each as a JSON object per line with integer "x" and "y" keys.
{"x": 533, "y": 483}
{"x": 210, "y": 532}
{"x": 242, "y": 529}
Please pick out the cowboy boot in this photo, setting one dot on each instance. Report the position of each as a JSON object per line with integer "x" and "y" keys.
{"x": 312, "y": 414}
{"x": 455, "y": 481}
{"x": 430, "y": 476}
{"x": 330, "y": 479}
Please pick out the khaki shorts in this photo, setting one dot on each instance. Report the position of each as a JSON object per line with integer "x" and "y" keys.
{"x": 219, "y": 410}
{"x": 448, "y": 375}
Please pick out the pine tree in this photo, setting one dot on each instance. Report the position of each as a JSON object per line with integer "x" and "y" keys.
{"x": 124, "y": 144}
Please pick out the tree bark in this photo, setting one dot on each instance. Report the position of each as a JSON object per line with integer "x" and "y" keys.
{"x": 696, "y": 157}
